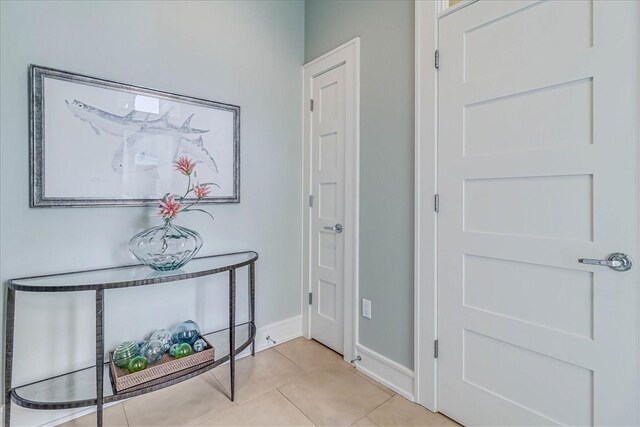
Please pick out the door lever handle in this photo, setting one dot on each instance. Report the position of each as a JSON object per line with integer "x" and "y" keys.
{"x": 604, "y": 262}
{"x": 337, "y": 228}
{"x": 616, "y": 261}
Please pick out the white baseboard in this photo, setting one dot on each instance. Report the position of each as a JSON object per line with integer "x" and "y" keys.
{"x": 280, "y": 332}
{"x": 387, "y": 372}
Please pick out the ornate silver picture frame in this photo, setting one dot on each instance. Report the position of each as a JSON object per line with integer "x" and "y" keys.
{"x": 96, "y": 142}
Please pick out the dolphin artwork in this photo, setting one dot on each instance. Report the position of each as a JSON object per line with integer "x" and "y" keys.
{"x": 131, "y": 127}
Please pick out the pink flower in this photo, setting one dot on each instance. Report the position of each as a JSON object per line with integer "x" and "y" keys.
{"x": 184, "y": 165}
{"x": 169, "y": 207}
{"x": 201, "y": 190}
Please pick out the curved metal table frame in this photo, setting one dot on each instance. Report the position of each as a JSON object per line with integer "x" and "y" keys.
{"x": 39, "y": 284}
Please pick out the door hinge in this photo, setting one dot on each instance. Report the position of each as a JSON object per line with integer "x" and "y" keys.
{"x": 311, "y": 105}
{"x": 437, "y": 59}
{"x": 310, "y": 298}
{"x": 436, "y": 203}
{"x": 435, "y": 349}
{"x": 310, "y": 200}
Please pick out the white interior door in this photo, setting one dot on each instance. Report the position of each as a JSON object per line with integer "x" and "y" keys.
{"x": 538, "y": 167}
{"x": 328, "y": 208}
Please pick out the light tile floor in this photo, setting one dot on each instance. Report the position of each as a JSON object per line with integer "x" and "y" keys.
{"x": 298, "y": 383}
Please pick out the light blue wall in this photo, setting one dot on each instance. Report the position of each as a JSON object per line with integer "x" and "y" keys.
{"x": 386, "y": 31}
{"x": 244, "y": 53}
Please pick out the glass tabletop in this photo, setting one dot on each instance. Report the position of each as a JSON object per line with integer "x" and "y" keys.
{"x": 132, "y": 275}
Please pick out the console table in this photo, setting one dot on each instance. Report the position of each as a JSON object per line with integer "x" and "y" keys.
{"x": 86, "y": 387}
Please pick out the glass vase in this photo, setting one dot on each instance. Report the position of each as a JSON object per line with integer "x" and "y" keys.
{"x": 165, "y": 247}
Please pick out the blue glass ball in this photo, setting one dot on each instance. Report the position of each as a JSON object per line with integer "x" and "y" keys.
{"x": 186, "y": 332}
{"x": 152, "y": 351}
{"x": 173, "y": 348}
{"x": 164, "y": 336}
{"x": 199, "y": 345}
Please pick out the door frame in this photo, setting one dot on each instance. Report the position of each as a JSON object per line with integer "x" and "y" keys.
{"x": 347, "y": 54}
{"x": 427, "y": 15}
{"x": 425, "y": 309}
{"x": 425, "y": 313}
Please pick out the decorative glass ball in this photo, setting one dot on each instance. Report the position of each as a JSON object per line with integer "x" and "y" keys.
{"x": 124, "y": 353}
{"x": 183, "y": 350}
{"x": 164, "y": 336}
{"x": 199, "y": 345}
{"x": 173, "y": 348}
{"x": 186, "y": 332}
{"x": 136, "y": 364}
{"x": 152, "y": 351}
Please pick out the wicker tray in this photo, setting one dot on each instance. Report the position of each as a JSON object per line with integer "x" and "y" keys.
{"x": 166, "y": 369}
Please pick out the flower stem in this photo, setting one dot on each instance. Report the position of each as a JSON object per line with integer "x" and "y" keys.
{"x": 188, "y": 187}
{"x": 188, "y": 206}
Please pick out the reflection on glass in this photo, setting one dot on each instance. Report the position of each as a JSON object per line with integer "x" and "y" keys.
{"x": 136, "y": 273}
{"x": 81, "y": 385}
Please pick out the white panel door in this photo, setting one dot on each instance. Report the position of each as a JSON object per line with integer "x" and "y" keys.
{"x": 538, "y": 167}
{"x": 327, "y": 217}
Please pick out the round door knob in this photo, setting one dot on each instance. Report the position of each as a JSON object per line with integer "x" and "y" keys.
{"x": 336, "y": 228}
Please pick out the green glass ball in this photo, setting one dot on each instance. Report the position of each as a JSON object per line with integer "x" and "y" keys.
{"x": 136, "y": 364}
{"x": 124, "y": 353}
{"x": 183, "y": 350}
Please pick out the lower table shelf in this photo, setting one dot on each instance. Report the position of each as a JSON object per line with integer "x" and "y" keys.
{"x": 77, "y": 389}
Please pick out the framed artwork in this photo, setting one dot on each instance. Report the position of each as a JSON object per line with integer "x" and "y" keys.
{"x": 96, "y": 142}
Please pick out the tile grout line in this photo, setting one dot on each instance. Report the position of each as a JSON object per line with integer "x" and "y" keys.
{"x": 289, "y": 359}
{"x": 293, "y": 361}
{"x": 224, "y": 390}
{"x": 354, "y": 373}
{"x": 277, "y": 387}
{"x": 235, "y": 404}
{"x": 303, "y": 374}
{"x": 375, "y": 383}
{"x": 200, "y": 421}
{"x": 210, "y": 372}
{"x": 252, "y": 399}
{"x": 294, "y": 405}
{"x": 363, "y": 417}
{"x": 126, "y": 418}
{"x": 314, "y": 369}
{"x": 285, "y": 356}
{"x": 382, "y": 403}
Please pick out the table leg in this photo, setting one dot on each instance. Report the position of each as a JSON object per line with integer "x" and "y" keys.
{"x": 252, "y": 302}
{"x": 232, "y": 331}
{"x": 99, "y": 355}
{"x": 8, "y": 360}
